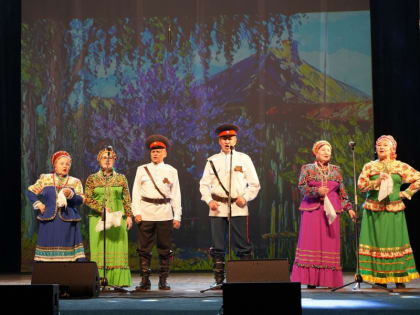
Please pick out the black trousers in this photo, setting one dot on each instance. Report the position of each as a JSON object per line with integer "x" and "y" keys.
{"x": 240, "y": 242}
{"x": 151, "y": 230}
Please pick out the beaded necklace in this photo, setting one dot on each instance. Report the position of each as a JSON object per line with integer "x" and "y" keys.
{"x": 324, "y": 172}
{"x": 60, "y": 182}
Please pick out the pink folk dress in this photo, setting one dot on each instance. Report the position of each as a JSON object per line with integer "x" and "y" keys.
{"x": 317, "y": 260}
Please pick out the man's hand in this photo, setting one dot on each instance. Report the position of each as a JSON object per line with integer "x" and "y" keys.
{"x": 214, "y": 205}
{"x": 176, "y": 224}
{"x": 137, "y": 218}
{"x": 240, "y": 202}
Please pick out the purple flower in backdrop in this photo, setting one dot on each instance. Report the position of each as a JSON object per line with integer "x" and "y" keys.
{"x": 158, "y": 101}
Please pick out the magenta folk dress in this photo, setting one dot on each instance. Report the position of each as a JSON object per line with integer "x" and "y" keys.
{"x": 317, "y": 260}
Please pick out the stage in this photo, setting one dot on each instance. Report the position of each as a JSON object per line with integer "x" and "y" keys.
{"x": 185, "y": 298}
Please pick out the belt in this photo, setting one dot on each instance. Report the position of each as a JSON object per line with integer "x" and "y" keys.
{"x": 157, "y": 201}
{"x": 222, "y": 199}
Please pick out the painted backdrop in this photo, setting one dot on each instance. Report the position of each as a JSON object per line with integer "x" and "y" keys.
{"x": 113, "y": 75}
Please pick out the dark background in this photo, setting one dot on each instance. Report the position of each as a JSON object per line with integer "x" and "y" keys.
{"x": 396, "y": 96}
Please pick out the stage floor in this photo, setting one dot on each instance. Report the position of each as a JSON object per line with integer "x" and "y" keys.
{"x": 185, "y": 298}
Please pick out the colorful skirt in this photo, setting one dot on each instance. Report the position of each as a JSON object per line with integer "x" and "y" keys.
{"x": 384, "y": 249}
{"x": 117, "y": 268}
{"x": 59, "y": 241}
{"x": 317, "y": 260}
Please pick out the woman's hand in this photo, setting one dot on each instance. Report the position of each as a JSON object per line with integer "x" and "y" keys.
{"x": 352, "y": 215}
{"x": 382, "y": 177}
{"x": 37, "y": 190}
{"x": 66, "y": 192}
{"x": 129, "y": 223}
{"x": 41, "y": 208}
{"x": 323, "y": 190}
{"x": 403, "y": 195}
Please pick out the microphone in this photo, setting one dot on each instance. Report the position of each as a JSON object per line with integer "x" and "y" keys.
{"x": 169, "y": 35}
{"x": 352, "y": 144}
{"x": 232, "y": 147}
{"x": 109, "y": 149}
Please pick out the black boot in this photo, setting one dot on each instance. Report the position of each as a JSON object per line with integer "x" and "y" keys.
{"x": 219, "y": 272}
{"x": 145, "y": 273}
{"x": 164, "y": 272}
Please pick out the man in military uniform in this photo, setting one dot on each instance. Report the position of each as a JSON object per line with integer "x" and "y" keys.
{"x": 157, "y": 210}
{"x": 214, "y": 188}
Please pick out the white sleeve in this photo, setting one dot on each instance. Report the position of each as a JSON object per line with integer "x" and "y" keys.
{"x": 205, "y": 184}
{"x": 135, "y": 204}
{"x": 176, "y": 198}
{"x": 251, "y": 191}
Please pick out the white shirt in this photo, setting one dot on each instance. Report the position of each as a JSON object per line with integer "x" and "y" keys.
{"x": 245, "y": 182}
{"x": 166, "y": 178}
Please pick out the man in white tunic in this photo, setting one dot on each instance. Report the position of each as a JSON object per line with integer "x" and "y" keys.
{"x": 157, "y": 210}
{"x": 214, "y": 188}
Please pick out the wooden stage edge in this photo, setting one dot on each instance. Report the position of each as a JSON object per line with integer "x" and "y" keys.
{"x": 190, "y": 284}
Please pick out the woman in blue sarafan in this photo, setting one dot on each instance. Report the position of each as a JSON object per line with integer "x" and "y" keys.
{"x": 56, "y": 196}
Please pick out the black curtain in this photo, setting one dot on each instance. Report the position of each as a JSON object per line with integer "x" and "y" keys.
{"x": 10, "y": 20}
{"x": 396, "y": 95}
{"x": 396, "y": 88}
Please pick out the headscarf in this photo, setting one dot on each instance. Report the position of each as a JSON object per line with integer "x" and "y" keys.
{"x": 393, "y": 144}
{"x": 317, "y": 145}
{"x": 58, "y": 155}
{"x": 112, "y": 154}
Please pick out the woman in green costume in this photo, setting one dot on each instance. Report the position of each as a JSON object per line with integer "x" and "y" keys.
{"x": 118, "y": 207}
{"x": 384, "y": 250}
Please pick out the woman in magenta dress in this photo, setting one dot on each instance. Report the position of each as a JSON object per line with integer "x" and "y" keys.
{"x": 317, "y": 261}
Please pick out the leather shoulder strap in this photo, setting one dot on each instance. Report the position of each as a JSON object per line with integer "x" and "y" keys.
{"x": 217, "y": 176}
{"x": 153, "y": 181}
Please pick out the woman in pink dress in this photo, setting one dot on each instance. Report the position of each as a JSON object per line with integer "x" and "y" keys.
{"x": 317, "y": 261}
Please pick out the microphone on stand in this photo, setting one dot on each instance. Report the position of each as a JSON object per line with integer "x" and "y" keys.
{"x": 109, "y": 149}
{"x": 352, "y": 144}
{"x": 232, "y": 148}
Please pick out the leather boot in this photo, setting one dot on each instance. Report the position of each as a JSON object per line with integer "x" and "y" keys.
{"x": 164, "y": 272}
{"x": 219, "y": 272}
{"x": 145, "y": 273}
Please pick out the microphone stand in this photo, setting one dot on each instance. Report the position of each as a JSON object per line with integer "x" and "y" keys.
{"x": 357, "y": 277}
{"x": 219, "y": 286}
{"x": 230, "y": 205}
{"x": 104, "y": 280}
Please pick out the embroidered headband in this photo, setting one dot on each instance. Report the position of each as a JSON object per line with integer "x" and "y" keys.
{"x": 390, "y": 139}
{"x": 58, "y": 155}
{"x": 393, "y": 143}
{"x": 112, "y": 154}
{"x": 317, "y": 145}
